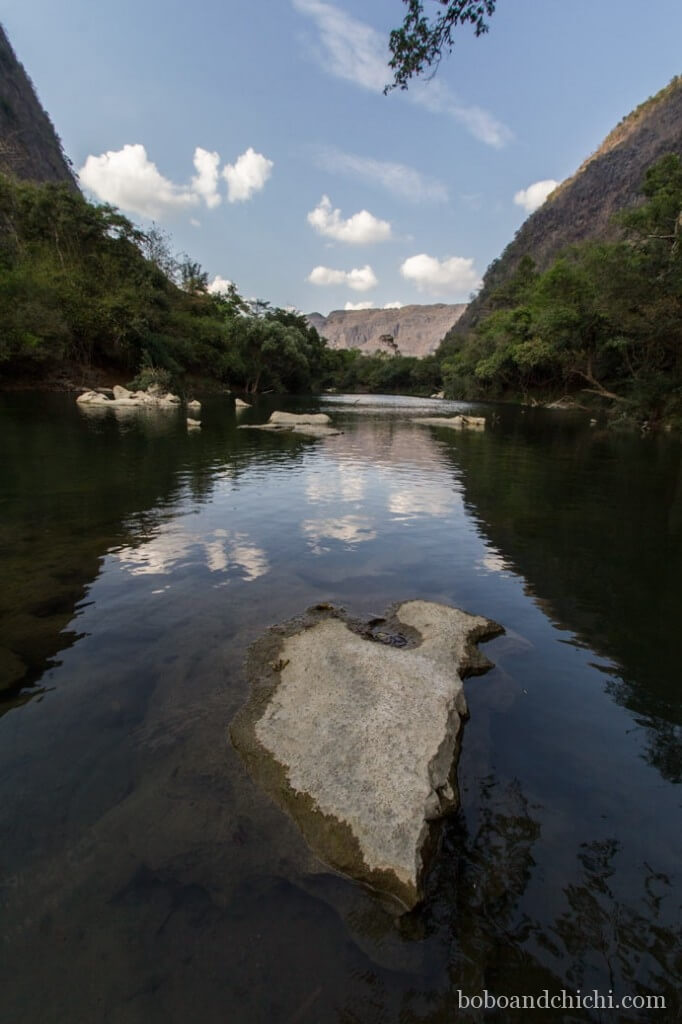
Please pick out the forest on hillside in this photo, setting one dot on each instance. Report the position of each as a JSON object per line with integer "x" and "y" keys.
{"x": 82, "y": 288}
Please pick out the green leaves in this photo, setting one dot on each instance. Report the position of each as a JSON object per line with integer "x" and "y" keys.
{"x": 419, "y": 43}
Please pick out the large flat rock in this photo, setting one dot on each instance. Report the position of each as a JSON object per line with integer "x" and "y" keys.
{"x": 354, "y": 729}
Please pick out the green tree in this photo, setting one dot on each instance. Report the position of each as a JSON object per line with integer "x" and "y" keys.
{"x": 421, "y": 41}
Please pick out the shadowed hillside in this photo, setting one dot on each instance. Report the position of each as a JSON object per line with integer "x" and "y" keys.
{"x": 29, "y": 146}
{"x": 581, "y": 207}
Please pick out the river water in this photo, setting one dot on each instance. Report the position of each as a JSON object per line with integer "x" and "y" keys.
{"x": 143, "y": 875}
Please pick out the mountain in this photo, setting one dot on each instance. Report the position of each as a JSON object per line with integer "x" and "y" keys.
{"x": 581, "y": 207}
{"x": 29, "y": 146}
{"x": 416, "y": 330}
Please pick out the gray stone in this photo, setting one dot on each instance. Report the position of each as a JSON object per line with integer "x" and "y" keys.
{"x": 356, "y": 734}
{"x": 128, "y": 399}
{"x": 292, "y": 419}
{"x": 456, "y": 422}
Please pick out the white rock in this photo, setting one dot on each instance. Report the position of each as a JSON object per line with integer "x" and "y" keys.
{"x": 239, "y": 404}
{"x": 193, "y": 424}
{"x": 194, "y": 406}
{"x": 292, "y": 419}
{"x": 359, "y": 739}
{"x": 456, "y": 422}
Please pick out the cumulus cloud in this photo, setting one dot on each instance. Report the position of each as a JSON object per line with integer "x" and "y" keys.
{"x": 247, "y": 175}
{"x": 393, "y": 305}
{"x": 533, "y": 197}
{"x": 452, "y": 277}
{"x": 359, "y": 279}
{"x": 359, "y": 305}
{"x": 129, "y": 179}
{"x": 398, "y": 179}
{"x": 219, "y": 285}
{"x": 354, "y": 51}
{"x": 360, "y": 229}
{"x": 205, "y": 182}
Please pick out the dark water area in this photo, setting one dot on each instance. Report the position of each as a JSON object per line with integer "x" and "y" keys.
{"x": 143, "y": 875}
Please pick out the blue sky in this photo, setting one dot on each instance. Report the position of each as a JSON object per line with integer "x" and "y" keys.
{"x": 324, "y": 192}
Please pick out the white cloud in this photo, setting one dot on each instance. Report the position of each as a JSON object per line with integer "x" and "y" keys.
{"x": 439, "y": 99}
{"x": 362, "y": 228}
{"x": 360, "y": 280}
{"x": 393, "y": 305}
{"x": 352, "y": 50}
{"x": 359, "y": 305}
{"x": 247, "y": 175}
{"x": 398, "y": 179}
{"x": 129, "y": 179}
{"x": 452, "y": 277}
{"x": 533, "y": 197}
{"x": 356, "y": 52}
{"x": 219, "y": 285}
{"x": 205, "y": 182}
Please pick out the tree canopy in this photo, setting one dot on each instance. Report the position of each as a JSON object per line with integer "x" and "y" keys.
{"x": 421, "y": 41}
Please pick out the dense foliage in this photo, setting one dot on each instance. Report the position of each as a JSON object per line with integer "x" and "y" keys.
{"x": 605, "y": 318}
{"x": 80, "y": 286}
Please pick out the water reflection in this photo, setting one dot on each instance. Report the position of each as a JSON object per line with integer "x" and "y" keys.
{"x": 142, "y": 874}
{"x": 174, "y": 545}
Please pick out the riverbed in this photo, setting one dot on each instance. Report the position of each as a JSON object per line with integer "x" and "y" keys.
{"x": 143, "y": 875}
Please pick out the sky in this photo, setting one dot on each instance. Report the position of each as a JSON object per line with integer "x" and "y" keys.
{"x": 258, "y": 137}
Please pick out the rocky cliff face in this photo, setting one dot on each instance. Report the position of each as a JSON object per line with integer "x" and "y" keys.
{"x": 416, "y": 330}
{"x": 581, "y": 207}
{"x": 29, "y": 145}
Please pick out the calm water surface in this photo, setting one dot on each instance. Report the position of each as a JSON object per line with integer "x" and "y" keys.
{"x": 145, "y": 878}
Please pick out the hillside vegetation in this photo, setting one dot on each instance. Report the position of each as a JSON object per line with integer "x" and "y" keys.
{"x": 605, "y": 318}
{"x": 583, "y": 207}
{"x": 81, "y": 288}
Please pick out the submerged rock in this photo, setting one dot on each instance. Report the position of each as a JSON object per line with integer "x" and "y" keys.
{"x": 457, "y": 422}
{"x": 239, "y": 404}
{"x": 194, "y": 406}
{"x": 193, "y": 424}
{"x": 315, "y": 424}
{"x": 356, "y": 733}
{"x": 293, "y": 419}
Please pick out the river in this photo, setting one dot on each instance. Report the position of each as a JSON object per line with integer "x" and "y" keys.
{"x": 143, "y": 875}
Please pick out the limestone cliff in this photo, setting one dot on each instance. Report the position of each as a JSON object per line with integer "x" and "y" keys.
{"x": 582, "y": 207}
{"x": 416, "y": 330}
{"x": 29, "y": 145}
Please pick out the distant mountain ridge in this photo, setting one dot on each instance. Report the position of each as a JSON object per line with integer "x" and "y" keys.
{"x": 581, "y": 207}
{"x": 29, "y": 146}
{"x": 417, "y": 330}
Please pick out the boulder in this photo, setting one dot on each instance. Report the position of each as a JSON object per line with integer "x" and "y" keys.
{"x": 193, "y": 424}
{"x": 239, "y": 404}
{"x": 356, "y": 732}
{"x": 310, "y": 424}
{"x": 456, "y": 422}
{"x": 123, "y": 398}
{"x": 292, "y": 419}
{"x": 438, "y": 394}
{"x": 194, "y": 406}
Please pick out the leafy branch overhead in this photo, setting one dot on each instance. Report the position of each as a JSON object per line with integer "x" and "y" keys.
{"x": 421, "y": 41}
